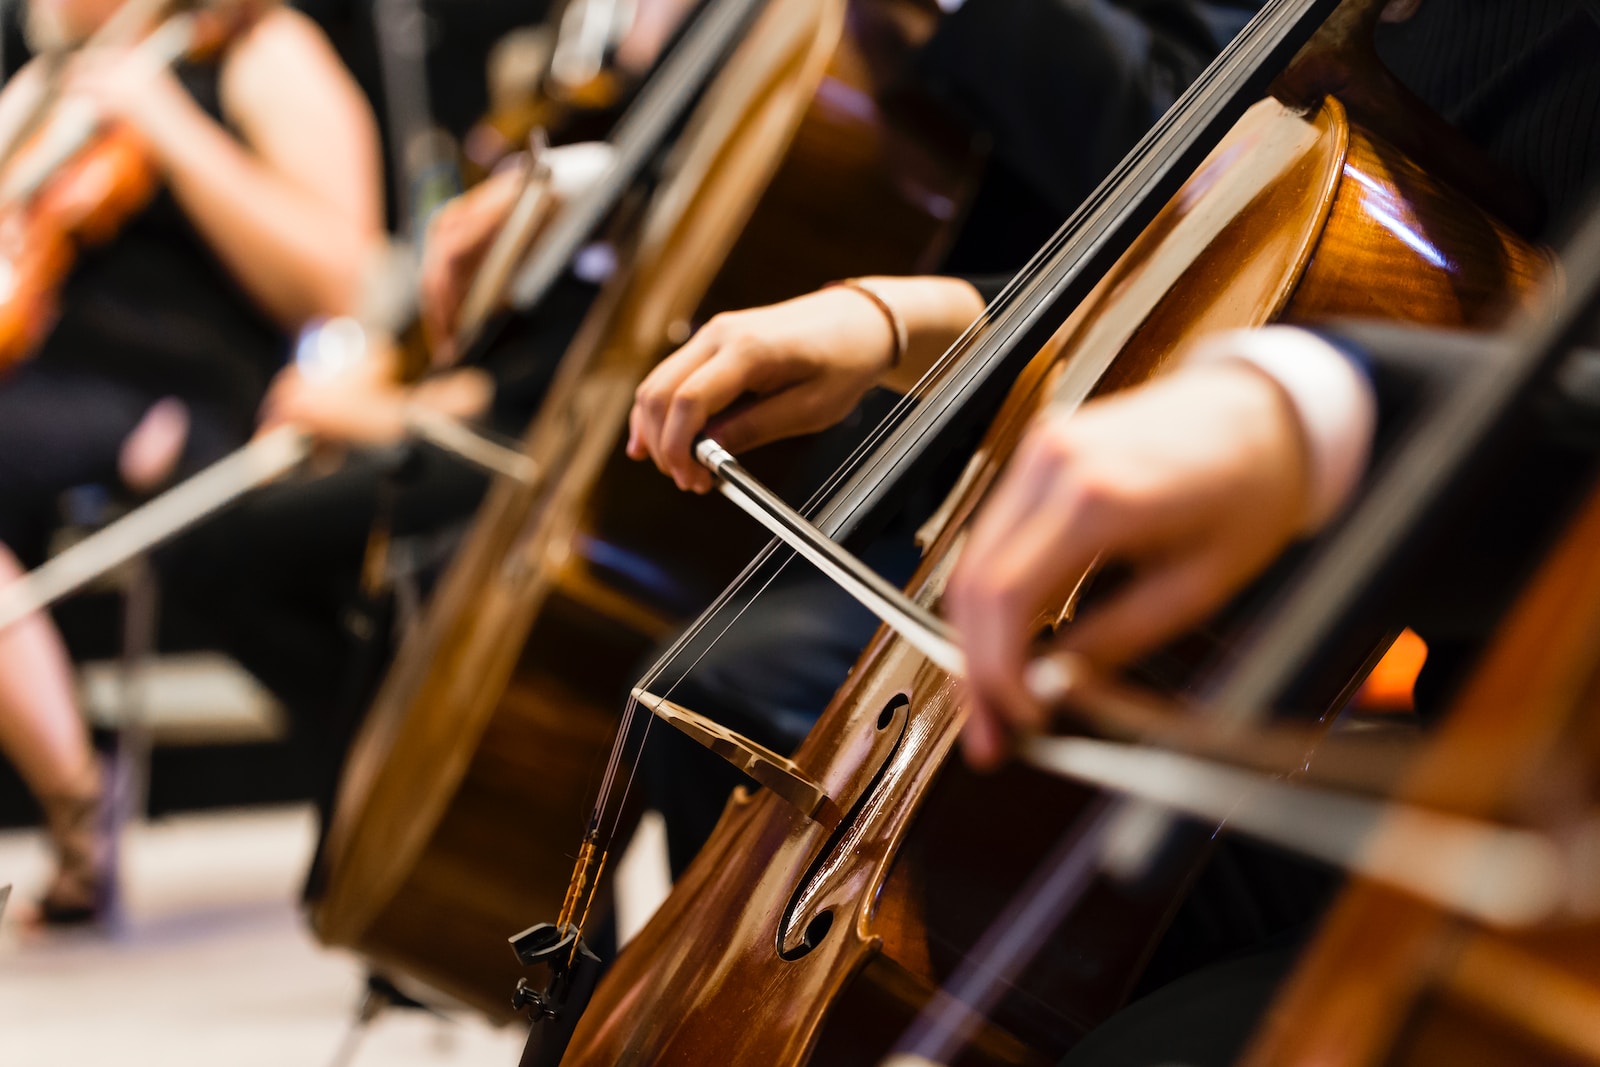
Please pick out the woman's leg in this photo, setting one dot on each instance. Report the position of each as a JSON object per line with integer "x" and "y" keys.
{"x": 43, "y": 735}
{"x": 40, "y": 730}
{"x": 57, "y": 430}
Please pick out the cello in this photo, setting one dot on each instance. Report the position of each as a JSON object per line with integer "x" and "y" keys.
{"x": 1467, "y": 935}
{"x": 825, "y": 912}
{"x": 465, "y": 788}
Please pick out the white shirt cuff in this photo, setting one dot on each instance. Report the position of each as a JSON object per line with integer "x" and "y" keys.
{"x": 575, "y": 167}
{"x": 1332, "y": 398}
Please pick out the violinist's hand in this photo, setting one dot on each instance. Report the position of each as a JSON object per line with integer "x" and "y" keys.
{"x": 1196, "y": 481}
{"x": 127, "y": 87}
{"x": 458, "y": 238}
{"x": 807, "y": 362}
{"x": 370, "y": 409}
{"x": 344, "y": 409}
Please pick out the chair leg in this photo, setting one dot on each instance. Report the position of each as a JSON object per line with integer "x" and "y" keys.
{"x": 128, "y": 786}
{"x": 379, "y": 996}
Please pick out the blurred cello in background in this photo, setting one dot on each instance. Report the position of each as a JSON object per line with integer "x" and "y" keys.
{"x": 468, "y": 784}
{"x": 1393, "y": 979}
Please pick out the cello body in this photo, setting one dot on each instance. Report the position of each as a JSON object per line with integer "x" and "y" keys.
{"x": 469, "y": 782}
{"x": 790, "y": 941}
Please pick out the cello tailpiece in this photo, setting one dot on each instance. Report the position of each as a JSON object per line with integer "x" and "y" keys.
{"x": 555, "y": 1010}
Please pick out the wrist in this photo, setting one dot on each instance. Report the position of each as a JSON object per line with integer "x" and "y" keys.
{"x": 1331, "y": 401}
{"x": 937, "y": 310}
{"x": 899, "y": 338}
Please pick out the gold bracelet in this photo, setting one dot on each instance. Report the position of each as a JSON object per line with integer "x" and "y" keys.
{"x": 897, "y": 326}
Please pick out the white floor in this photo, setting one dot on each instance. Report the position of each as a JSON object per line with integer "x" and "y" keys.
{"x": 213, "y": 967}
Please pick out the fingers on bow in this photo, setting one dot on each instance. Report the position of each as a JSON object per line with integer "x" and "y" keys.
{"x": 679, "y": 400}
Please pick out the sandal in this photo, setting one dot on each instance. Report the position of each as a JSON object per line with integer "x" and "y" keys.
{"x": 80, "y": 892}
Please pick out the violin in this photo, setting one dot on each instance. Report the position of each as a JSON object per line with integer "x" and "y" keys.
{"x": 827, "y": 910}
{"x": 78, "y": 178}
{"x": 459, "y": 803}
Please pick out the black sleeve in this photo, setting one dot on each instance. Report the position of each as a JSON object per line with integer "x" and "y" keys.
{"x": 1484, "y": 548}
{"x": 14, "y": 50}
{"x": 1066, "y": 87}
{"x": 524, "y": 350}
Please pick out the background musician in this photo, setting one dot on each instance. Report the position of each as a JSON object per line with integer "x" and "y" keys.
{"x": 277, "y": 582}
{"x": 1197, "y": 481}
{"x": 169, "y": 333}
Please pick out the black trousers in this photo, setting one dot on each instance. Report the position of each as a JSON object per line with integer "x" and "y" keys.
{"x": 1204, "y": 1019}
{"x": 274, "y": 582}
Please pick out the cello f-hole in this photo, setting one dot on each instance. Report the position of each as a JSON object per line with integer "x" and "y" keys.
{"x": 897, "y": 702}
{"x": 816, "y": 930}
{"x": 819, "y": 892}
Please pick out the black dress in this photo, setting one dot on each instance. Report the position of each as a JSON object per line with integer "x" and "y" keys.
{"x": 152, "y": 313}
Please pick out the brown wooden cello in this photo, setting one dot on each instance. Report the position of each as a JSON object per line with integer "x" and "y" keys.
{"x": 1395, "y": 979}
{"x": 468, "y": 785}
{"x": 819, "y": 920}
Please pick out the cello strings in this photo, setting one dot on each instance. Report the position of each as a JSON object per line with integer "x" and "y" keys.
{"x": 920, "y": 1040}
{"x": 1002, "y": 317}
{"x": 664, "y": 663}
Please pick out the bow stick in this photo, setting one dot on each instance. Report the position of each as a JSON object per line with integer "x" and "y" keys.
{"x": 263, "y": 460}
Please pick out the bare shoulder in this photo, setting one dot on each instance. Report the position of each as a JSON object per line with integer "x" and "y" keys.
{"x": 283, "y": 34}
{"x": 285, "y": 56}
